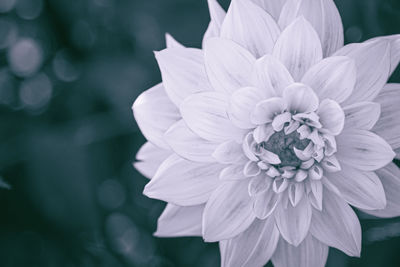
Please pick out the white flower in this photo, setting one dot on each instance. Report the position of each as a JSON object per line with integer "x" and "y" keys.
{"x": 262, "y": 139}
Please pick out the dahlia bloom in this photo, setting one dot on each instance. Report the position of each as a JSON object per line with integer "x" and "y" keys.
{"x": 264, "y": 139}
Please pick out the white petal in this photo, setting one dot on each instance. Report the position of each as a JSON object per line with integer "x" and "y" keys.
{"x": 228, "y": 212}
{"x": 183, "y": 182}
{"x": 177, "y": 221}
{"x": 373, "y": 65}
{"x": 266, "y": 110}
{"x": 323, "y": 16}
{"x": 331, "y": 164}
{"x": 298, "y": 48}
{"x": 310, "y": 252}
{"x": 337, "y": 225}
{"x": 272, "y": 7}
{"x": 362, "y": 115}
{"x": 188, "y": 145}
{"x": 364, "y": 150}
{"x": 316, "y": 195}
{"x": 242, "y": 103}
{"x": 211, "y": 32}
{"x": 259, "y": 184}
{"x": 263, "y": 133}
{"x": 333, "y": 77}
{"x": 253, "y": 247}
{"x": 206, "y": 115}
{"x": 154, "y": 114}
{"x": 270, "y": 75}
{"x": 293, "y": 222}
{"x": 360, "y": 189}
{"x": 232, "y": 172}
{"x": 229, "y": 152}
{"x": 390, "y": 178}
{"x": 265, "y": 204}
{"x": 183, "y": 72}
{"x": 296, "y": 193}
{"x": 250, "y": 26}
{"x": 149, "y": 158}
{"x": 217, "y": 13}
{"x": 388, "y": 125}
{"x": 331, "y": 117}
{"x": 300, "y": 98}
{"x": 395, "y": 49}
{"x": 171, "y": 42}
{"x": 228, "y": 64}
{"x": 251, "y": 169}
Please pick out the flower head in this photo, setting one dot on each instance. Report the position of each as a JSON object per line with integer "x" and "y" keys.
{"x": 263, "y": 138}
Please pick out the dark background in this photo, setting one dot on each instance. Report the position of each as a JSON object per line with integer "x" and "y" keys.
{"x": 69, "y": 73}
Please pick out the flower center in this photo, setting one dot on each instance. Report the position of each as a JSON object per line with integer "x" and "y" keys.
{"x": 283, "y": 145}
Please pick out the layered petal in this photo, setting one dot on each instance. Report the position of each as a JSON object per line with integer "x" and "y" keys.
{"x": 217, "y": 16}
{"x": 300, "y": 98}
{"x": 183, "y": 72}
{"x": 373, "y": 65}
{"x": 188, "y": 145}
{"x": 153, "y": 122}
{"x": 270, "y": 75}
{"x": 250, "y": 26}
{"x": 363, "y": 150}
{"x": 183, "y": 182}
{"x": 272, "y": 7}
{"x": 228, "y": 65}
{"x": 361, "y": 189}
{"x": 331, "y": 116}
{"x": 149, "y": 158}
{"x": 388, "y": 125}
{"x": 310, "y": 252}
{"x": 266, "y": 110}
{"x": 177, "y": 221}
{"x": 390, "y": 177}
{"x": 298, "y": 48}
{"x": 229, "y": 152}
{"x": 293, "y": 222}
{"x": 206, "y": 115}
{"x": 322, "y": 15}
{"x": 228, "y": 212}
{"x": 395, "y": 49}
{"x": 265, "y": 204}
{"x": 241, "y": 105}
{"x": 333, "y": 77}
{"x": 362, "y": 115}
{"x": 253, "y": 247}
{"x": 337, "y": 225}
{"x": 171, "y": 42}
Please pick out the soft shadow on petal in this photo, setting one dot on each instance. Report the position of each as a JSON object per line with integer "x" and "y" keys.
{"x": 322, "y": 15}
{"x": 331, "y": 116}
{"x": 206, "y": 115}
{"x": 362, "y": 115}
{"x": 183, "y": 182}
{"x": 250, "y": 26}
{"x": 188, "y": 145}
{"x": 178, "y": 221}
{"x": 300, "y": 98}
{"x": 395, "y": 49}
{"x": 149, "y": 158}
{"x": 390, "y": 178}
{"x": 373, "y": 65}
{"x": 293, "y": 222}
{"x": 272, "y": 7}
{"x": 333, "y": 77}
{"x": 228, "y": 65}
{"x": 228, "y": 212}
{"x": 270, "y": 75}
{"x": 229, "y": 152}
{"x": 298, "y": 48}
{"x": 242, "y": 103}
{"x": 361, "y": 189}
{"x": 253, "y": 247}
{"x": 153, "y": 122}
{"x": 266, "y": 110}
{"x": 363, "y": 150}
{"x": 183, "y": 72}
{"x": 310, "y": 253}
{"x": 265, "y": 204}
{"x": 388, "y": 125}
{"x": 337, "y": 225}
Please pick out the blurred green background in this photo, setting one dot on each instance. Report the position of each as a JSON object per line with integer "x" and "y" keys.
{"x": 69, "y": 72}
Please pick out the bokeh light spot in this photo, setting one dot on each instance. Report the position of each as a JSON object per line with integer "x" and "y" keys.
{"x": 29, "y": 9}
{"x": 6, "y": 5}
{"x": 64, "y": 68}
{"x": 25, "y": 57}
{"x": 8, "y": 33}
{"x": 353, "y": 34}
{"x": 111, "y": 194}
{"x": 36, "y": 92}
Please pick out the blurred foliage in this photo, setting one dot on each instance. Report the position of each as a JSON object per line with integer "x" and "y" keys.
{"x": 69, "y": 72}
